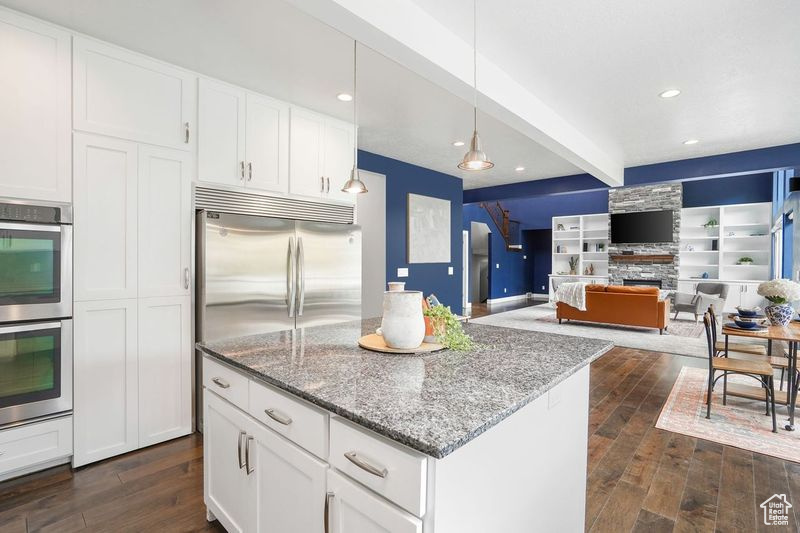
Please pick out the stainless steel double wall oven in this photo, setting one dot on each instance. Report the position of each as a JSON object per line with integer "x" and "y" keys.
{"x": 35, "y": 310}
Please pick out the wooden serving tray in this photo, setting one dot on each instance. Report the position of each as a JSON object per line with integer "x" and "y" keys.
{"x": 375, "y": 343}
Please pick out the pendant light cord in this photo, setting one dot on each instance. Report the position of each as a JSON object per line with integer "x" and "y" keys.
{"x": 355, "y": 105}
{"x": 475, "y": 62}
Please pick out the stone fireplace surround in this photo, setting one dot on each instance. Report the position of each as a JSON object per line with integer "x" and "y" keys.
{"x": 646, "y": 198}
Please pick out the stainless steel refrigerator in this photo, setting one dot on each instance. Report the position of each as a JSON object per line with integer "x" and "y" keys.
{"x": 259, "y": 274}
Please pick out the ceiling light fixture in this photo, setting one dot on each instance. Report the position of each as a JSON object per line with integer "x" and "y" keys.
{"x": 458, "y": 143}
{"x": 475, "y": 159}
{"x": 344, "y": 97}
{"x": 519, "y": 169}
{"x": 691, "y": 141}
{"x": 670, "y": 93}
{"x": 354, "y": 185}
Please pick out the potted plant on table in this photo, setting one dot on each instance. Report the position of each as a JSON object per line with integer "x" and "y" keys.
{"x": 780, "y": 292}
{"x": 447, "y": 329}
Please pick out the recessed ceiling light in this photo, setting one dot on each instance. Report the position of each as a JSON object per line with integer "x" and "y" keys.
{"x": 691, "y": 141}
{"x": 670, "y": 93}
{"x": 458, "y": 143}
{"x": 519, "y": 169}
{"x": 344, "y": 97}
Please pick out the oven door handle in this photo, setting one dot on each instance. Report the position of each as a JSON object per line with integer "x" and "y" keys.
{"x": 50, "y": 228}
{"x": 30, "y": 327}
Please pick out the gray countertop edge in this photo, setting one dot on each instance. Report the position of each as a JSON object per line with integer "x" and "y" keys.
{"x": 402, "y": 439}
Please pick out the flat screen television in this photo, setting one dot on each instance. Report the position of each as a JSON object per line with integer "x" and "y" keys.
{"x": 641, "y": 227}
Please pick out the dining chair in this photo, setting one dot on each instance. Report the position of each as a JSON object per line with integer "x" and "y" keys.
{"x": 761, "y": 371}
{"x": 738, "y": 347}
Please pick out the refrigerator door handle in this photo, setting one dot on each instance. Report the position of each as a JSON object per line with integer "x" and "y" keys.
{"x": 290, "y": 278}
{"x": 301, "y": 275}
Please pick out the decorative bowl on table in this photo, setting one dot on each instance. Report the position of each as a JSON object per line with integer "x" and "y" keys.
{"x": 749, "y": 312}
{"x": 747, "y": 323}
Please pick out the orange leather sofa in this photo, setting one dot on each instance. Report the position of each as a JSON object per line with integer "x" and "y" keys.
{"x": 626, "y": 306}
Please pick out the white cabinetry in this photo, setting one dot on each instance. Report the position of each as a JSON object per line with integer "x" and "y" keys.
{"x": 32, "y": 446}
{"x": 35, "y": 115}
{"x": 320, "y": 155}
{"x": 106, "y": 188}
{"x": 229, "y": 489}
{"x": 164, "y": 362}
{"x": 355, "y": 509}
{"x": 243, "y": 138}
{"x": 106, "y": 380}
{"x": 132, "y": 290}
{"x": 127, "y": 95}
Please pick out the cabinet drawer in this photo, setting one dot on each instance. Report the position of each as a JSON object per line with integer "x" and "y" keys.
{"x": 397, "y": 473}
{"x": 32, "y": 444}
{"x": 298, "y": 421}
{"x": 226, "y": 382}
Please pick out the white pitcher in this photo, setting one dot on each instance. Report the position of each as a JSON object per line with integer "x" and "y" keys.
{"x": 403, "y": 326}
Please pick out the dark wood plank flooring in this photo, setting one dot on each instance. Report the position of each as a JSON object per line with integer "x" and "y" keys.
{"x": 640, "y": 478}
{"x": 482, "y": 309}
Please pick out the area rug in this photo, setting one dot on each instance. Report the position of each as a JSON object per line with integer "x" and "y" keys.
{"x": 683, "y": 337}
{"x": 742, "y": 423}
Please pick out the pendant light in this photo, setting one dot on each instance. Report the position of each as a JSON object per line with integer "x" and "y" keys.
{"x": 354, "y": 185}
{"x": 475, "y": 159}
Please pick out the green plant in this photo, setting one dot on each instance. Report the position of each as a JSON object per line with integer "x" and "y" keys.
{"x": 573, "y": 264}
{"x": 447, "y": 329}
{"x": 745, "y": 259}
{"x": 712, "y": 223}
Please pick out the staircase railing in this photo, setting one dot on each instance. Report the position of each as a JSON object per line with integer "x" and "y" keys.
{"x": 509, "y": 229}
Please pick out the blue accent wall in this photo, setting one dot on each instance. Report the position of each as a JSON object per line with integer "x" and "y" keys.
{"x": 402, "y": 179}
{"x": 750, "y": 188}
{"x": 537, "y": 212}
{"x": 511, "y": 278}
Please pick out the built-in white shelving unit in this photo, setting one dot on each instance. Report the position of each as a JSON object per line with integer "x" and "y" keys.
{"x": 742, "y": 231}
{"x": 584, "y": 237}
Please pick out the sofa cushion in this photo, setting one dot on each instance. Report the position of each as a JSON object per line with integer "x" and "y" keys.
{"x": 595, "y": 288}
{"x": 636, "y": 289}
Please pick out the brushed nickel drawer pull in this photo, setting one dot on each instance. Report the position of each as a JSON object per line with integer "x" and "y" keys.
{"x": 221, "y": 383}
{"x": 279, "y": 417}
{"x": 364, "y": 465}
{"x": 247, "y": 455}
{"x": 326, "y": 514}
{"x": 241, "y": 463}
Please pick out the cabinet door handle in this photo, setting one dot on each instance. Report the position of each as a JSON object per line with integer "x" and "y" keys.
{"x": 279, "y": 417}
{"x": 221, "y": 383}
{"x": 326, "y": 517}
{"x": 250, "y": 171}
{"x": 247, "y": 455}
{"x": 322, "y": 184}
{"x": 364, "y": 465}
{"x": 241, "y": 463}
{"x": 328, "y": 185}
{"x": 186, "y": 136}
{"x": 187, "y": 279}
{"x": 241, "y": 169}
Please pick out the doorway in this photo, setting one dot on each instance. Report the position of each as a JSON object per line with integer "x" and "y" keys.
{"x": 479, "y": 262}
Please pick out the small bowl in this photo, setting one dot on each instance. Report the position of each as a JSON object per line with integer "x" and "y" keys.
{"x": 745, "y": 323}
{"x": 748, "y": 311}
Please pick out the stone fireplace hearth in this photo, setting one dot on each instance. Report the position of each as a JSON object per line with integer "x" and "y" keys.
{"x": 650, "y": 262}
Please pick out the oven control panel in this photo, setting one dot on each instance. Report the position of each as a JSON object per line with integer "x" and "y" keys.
{"x": 40, "y": 214}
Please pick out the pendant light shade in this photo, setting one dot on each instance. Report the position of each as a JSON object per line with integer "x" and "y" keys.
{"x": 354, "y": 185}
{"x": 475, "y": 158}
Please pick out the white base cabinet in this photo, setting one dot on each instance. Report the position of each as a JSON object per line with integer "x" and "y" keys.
{"x": 744, "y": 294}
{"x": 30, "y": 447}
{"x": 257, "y": 479}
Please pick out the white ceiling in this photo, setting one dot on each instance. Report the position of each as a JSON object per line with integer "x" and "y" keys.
{"x": 736, "y": 61}
{"x": 601, "y": 66}
{"x": 274, "y": 48}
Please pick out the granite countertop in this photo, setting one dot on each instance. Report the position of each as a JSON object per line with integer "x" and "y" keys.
{"x": 434, "y": 403}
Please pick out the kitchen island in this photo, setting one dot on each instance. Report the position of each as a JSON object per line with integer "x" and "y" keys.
{"x": 331, "y": 437}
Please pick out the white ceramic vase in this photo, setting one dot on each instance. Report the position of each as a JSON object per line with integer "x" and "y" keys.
{"x": 403, "y": 326}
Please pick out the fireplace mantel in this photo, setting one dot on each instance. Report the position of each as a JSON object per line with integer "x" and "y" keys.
{"x": 643, "y": 258}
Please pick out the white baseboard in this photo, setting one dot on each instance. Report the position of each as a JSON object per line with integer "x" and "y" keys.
{"x": 515, "y": 298}
{"x": 540, "y": 296}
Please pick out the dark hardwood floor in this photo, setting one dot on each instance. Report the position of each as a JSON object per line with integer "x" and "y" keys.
{"x": 479, "y": 310}
{"x": 640, "y": 478}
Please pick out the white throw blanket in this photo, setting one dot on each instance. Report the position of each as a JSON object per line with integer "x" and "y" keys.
{"x": 572, "y": 293}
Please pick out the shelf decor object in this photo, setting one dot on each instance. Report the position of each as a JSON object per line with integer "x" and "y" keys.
{"x": 781, "y": 293}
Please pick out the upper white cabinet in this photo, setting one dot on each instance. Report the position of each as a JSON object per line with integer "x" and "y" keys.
{"x": 127, "y": 95}
{"x": 34, "y": 118}
{"x": 320, "y": 155}
{"x": 267, "y": 144}
{"x": 106, "y": 189}
{"x": 165, "y": 217}
{"x": 220, "y": 137}
{"x": 243, "y": 138}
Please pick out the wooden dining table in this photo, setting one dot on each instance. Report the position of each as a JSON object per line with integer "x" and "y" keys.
{"x": 789, "y": 334}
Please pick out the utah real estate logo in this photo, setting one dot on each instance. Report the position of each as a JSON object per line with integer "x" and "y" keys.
{"x": 776, "y": 510}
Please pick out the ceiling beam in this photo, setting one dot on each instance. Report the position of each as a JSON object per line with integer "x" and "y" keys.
{"x": 405, "y": 33}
